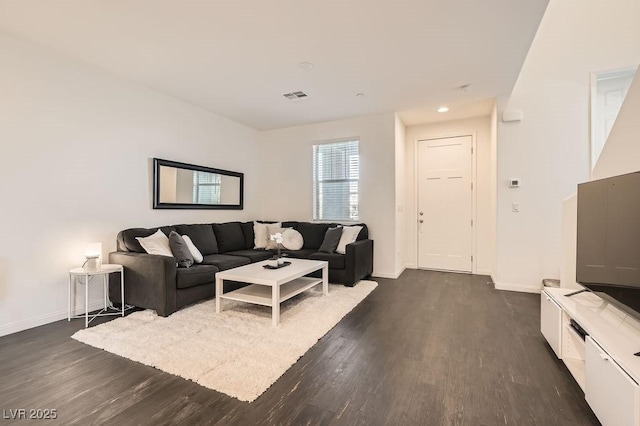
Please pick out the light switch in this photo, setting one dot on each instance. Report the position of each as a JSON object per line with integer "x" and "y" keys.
{"x": 515, "y": 207}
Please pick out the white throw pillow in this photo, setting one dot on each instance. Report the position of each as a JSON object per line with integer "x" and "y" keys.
{"x": 261, "y": 233}
{"x": 197, "y": 256}
{"x": 272, "y": 229}
{"x": 157, "y": 243}
{"x": 349, "y": 235}
{"x": 292, "y": 239}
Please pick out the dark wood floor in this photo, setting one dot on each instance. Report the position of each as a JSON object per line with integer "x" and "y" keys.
{"x": 427, "y": 349}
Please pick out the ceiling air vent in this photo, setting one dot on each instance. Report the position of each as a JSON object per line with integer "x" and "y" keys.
{"x": 294, "y": 96}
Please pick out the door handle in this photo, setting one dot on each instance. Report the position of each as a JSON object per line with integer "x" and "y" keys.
{"x": 421, "y": 213}
{"x": 604, "y": 357}
{"x": 421, "y": 221}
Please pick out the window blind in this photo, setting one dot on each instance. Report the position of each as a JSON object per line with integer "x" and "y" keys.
{"x": 206, "y": 188}
{"x": 336, "y": 173}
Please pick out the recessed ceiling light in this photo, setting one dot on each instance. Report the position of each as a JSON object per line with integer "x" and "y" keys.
{"x": 305, "y": 65}
{"x": 360, "y": 94}
{"x": 443, "y": 109}
{"x": 465, "y": 87}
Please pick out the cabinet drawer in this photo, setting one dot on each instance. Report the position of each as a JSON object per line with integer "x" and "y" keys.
{"x": 551, "y": 323}
{"x": 611, "y": 393}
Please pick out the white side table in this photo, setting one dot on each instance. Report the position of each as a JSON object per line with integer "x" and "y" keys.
{"x": 105, "y": 270}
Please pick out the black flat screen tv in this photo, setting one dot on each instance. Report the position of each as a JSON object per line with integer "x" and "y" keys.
{"x": 608, "y": 240}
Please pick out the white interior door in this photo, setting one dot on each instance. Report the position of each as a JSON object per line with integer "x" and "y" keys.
{"x": 445, "y": 209}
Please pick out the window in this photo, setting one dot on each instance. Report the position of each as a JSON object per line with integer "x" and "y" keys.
{"x": 206, "y": 188}
{"x": 336, "y": 172}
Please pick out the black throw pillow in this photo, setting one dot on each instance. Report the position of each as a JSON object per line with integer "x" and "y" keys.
{"x": 331, "y": 240}
{"x": 180, "y": 250}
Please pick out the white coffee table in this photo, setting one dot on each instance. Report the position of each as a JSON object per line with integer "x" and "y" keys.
{"x": 271, "y": 287}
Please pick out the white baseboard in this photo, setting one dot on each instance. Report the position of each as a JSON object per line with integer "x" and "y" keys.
{"x": 385, "y": 275}
{"x": 22, "y": 325}
{"x": 518, "y": 287}
{"x": 410, "y": 266}
{"x": 393, "y": 276}
{"x": 483, "y": 272}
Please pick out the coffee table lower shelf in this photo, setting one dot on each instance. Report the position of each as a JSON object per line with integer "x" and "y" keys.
{"x": 262, "y": 294}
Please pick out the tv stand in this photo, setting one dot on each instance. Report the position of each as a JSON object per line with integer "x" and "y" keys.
{"x": 600, "y": 346}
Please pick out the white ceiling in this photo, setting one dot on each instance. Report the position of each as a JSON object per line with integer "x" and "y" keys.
{"x": 238, "y": 57}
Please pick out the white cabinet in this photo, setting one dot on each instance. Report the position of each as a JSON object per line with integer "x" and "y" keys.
{"x": 611, "y": 393}
{"x": 551, "y": 323}
{"x": 602, "y": 363}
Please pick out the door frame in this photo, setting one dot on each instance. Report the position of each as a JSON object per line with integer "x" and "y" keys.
{"x": 474, "y": 192}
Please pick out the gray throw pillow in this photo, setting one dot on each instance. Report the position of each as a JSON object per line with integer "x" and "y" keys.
{"x": 180, "y": 250}
{"x": 331, "y": 240}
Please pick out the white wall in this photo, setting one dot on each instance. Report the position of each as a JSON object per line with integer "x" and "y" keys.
{"x": 569, "y": 238}
{"x": 287, "y": 165}
{"x": 75, "y": 168}
{"x": 549, "y": 149}
{"x": 400, "y": 178}
{"x": 480, "y": 129}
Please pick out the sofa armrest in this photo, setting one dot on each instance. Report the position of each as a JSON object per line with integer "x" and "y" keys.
{"x": 150, "y": 281}
{"x": 359, "y": 261}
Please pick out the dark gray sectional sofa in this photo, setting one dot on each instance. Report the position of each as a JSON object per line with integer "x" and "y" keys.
{"x": 155, "y": 282}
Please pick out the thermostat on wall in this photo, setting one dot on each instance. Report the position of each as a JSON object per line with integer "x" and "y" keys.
{"x": 514, "y": 183}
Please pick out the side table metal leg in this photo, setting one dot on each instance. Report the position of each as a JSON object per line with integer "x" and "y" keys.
{"x": 86, "y": 301}
{"x": 104, "y": 290}
{"x": 122, "y": 289}
{"x": 69, "y": 313}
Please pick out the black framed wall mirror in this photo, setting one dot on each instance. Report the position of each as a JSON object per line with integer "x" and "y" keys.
{"x": 187, "y": 186}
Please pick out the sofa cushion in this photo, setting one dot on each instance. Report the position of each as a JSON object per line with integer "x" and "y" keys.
{"x": 202, "y": 237}
{"x": 195, "y": 253}
{"x": 255, "y": 255}
{"x": 247, "y": 231}
{"x": 290, "y": 224}
{"x": 349, "y": 235}
{"x": 180, "y": 250}
{"x": 274, "y": 230}
{"x": 299, "y": 254}
{"x": 331, "y": 240}
{"x": 292, "y": 239}
{"x": 262, "y": 233}
{"x": 224, "y": 261}
{"x": 156, "y": 243}
{"x": 196, "y": 275}
{"x": 128, "y": 237}
{"x": 312, "y": 234}
{"x": 336, "y": 261}
{"x": 230, "y": 236}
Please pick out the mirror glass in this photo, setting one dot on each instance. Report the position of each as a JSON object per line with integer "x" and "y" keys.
{"x": 187, "y": 186}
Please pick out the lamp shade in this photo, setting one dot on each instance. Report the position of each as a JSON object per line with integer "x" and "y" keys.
{"x": 93, "y": 257}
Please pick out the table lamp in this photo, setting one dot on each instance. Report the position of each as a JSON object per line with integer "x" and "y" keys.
{"x": 93, "y": 257}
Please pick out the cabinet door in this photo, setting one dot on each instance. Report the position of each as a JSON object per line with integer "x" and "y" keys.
{"x": 610, "y": 392}
{"x": 551, "y": 323}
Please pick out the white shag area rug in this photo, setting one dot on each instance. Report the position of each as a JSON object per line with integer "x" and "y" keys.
{"x": 237, "y": 352}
